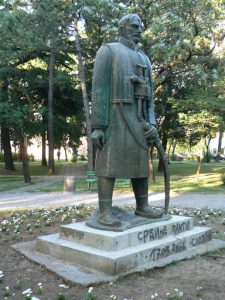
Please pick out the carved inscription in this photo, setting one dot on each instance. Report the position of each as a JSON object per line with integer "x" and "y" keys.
{"x": 159, "y": 253}
{"x": 152, "y": 234}
{"x": 181, "y": 227}
{"x": 202, "y": 239}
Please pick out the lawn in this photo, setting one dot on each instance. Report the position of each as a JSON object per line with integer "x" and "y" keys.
{"x": 37, "y": 170}
{"x": 183, "y": 177}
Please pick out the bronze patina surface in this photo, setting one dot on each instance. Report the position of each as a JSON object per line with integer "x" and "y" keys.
{"x": 123, "y": 120}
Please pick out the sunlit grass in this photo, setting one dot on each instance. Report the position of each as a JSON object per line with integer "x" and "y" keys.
{"x": 209, "y": 183}
{"x": 37, "y": 170}
{"x": 182, "y": 174}
{"x": 7, "y": 183}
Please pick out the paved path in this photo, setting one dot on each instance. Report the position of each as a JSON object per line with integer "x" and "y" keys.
{"x": 29, "y": 200}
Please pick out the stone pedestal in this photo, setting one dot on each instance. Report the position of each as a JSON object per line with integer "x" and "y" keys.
{"x": 97, "y": 255}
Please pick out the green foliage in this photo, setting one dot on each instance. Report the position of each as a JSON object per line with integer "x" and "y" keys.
{"x": 14, "y": 155}
{"x": 180, "y": 37}
{"x": 74, "y": 159}
{"x": 61, "y": 296}
{"x": 223, "y": 178}
{"x": 83, "y": 158}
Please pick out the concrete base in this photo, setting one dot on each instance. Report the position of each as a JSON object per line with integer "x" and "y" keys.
{"x": 88, "y": 256}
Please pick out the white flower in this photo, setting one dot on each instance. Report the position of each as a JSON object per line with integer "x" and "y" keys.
{"x": 176, "y": 290}
{"x": 90, "y": 290}
{"x": 63, "y": 286}
{"x": 28, "y": 291}
{"x": 34, "y": 298}
{"x": 181, "y": 294}
{"x": 152, "y": 297}
{"x": 39, "y": 284}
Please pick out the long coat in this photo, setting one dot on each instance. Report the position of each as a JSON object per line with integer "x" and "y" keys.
{"x": 114, "y": 109}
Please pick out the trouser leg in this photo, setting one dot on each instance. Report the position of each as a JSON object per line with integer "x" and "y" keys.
{"x": 140, "y": 188}
{"x": 105, "y": 192}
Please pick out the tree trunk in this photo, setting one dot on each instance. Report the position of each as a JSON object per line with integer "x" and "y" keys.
{"x": 66, "y": 157}
{"x": 5, "y": 135}
{"x": 25, "y": 161}
{"x": 151, "y": 167}
{"x": 85, "y": 97}
{"x": 207, "y": 142}
{"x": 169, "y": 149}
{"x": 164, "y": 144}
{"x": 51, "y": 162}
{"x": 219, "y": 145}
{"x": 174, "y": 147}
{"x": 200, "y": 162}
{"x": 43, "y": 150}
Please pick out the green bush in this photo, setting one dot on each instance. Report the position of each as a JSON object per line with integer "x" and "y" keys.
{"x": 74, "y": 159}
{"x": 14, "y": 156}
{"x": 1, "y": 157}
{"x": 82, "y": 158}
{"x": 193, "y": 157}
{"x": 223, "y": 178}
{"x": 207, "y": 157}
{"x": 176, "y": 157}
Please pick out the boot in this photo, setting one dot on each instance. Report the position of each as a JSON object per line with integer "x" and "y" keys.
{"x": 105, "y": 191}
{"x": 143, "y": 209}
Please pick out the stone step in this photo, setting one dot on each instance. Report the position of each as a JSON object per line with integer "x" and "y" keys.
{"x": 113, "y": 241}
{"x": 124, "y": 260}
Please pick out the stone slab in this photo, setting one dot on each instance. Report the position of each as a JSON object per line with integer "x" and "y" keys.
{"x": 113, "y": 241}
{"x": 87, "y": 277}
{"x": 123, "y": 260}
{"x": 66, "y": 270}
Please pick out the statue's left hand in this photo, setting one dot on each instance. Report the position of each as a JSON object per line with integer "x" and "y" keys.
{"x": 151, "y": 133}
{"x": 98, "y": 138}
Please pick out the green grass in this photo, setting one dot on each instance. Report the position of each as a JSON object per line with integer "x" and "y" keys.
{"x": 183, "y": 178}
{"x": 188, "y": 169}
{"x": 208, "y": 183}
{"x": 37, "y": 170}
{"x": 10, "y": 179}
{"x": 8, "y": 183}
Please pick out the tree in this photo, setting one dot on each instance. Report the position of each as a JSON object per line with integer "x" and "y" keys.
{"x": 180, "y": 37}
{"x": 98, "y": 18}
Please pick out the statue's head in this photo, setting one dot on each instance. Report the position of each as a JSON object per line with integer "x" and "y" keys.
{"x": 130, "y": 27}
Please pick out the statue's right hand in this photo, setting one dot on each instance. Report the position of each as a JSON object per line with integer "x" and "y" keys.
{"x": 98, "y": 138}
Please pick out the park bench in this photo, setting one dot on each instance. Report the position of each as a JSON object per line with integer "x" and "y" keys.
{"x": 91, "y": 178}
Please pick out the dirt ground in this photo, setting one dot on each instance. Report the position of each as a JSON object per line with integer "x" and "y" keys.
{"x": 199, "y": 278}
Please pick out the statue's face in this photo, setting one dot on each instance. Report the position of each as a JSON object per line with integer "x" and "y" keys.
{"x": 133, "y": 30}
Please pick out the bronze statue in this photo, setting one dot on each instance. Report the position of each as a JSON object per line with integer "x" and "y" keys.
{"x": 123, "y": 119}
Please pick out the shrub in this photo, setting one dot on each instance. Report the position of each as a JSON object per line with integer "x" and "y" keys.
{"x": 1, "y": 157}
{"x": 31, "y": 157}
{"x": 74, "y": 159}
{"x": 14, "y": 156}
{"x": 176, "y": 157}
{"x": 82, "y": 157}
{"x": 223, "y": 178}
